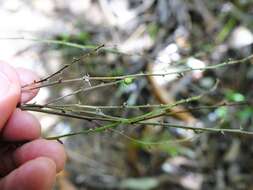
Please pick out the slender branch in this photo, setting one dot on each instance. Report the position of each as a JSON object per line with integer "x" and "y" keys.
{"x": 82, "y": 106}
{"x": 152, "y": 114}
{"x": 83, "y": 89}
{"x": 79, "y": 46}
{"x": 122, "y": 77}
{"x": 163, "y": 142}
{"x": 197, "y": 129}
{"x": 65, "y": 114}
{"x": 116, "y": 121}
{"x": 162, "y": 111}
{"x": 129, "y": 121}
{"x": 97, "y": 112}
{"x": 139, "y": 121}
{"x": 49, "y": 41}
{"x": 201, "y": 129}
{"x": 75, "y": 60}
{"x": 93, "y": 130}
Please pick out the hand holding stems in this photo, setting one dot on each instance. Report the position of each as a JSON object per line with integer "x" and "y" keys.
{"x": 34, "y": 164}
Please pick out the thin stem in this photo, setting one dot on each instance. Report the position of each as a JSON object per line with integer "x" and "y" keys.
{"x": 137, "y": 119}
{"x": 128, "y": 121}
{"x": 75, "y": 60}
{"x": 164, "y": 111}
{"x": 64, "y": 114}
{"x": 163, "y": 142}
{"x": 83, "y": 89}
{"x": 97, "y": 112}
{"x": 82, "y": 106}
{"x": 51, "y": 109}
{"x": 122, "y": 77}
{"x": 94, "y": 130}
{"x": 49, "y": 41}
{"x": 202, "y": 129}
{"x": 197, "y": 129}
{"x": 80, "y": 46}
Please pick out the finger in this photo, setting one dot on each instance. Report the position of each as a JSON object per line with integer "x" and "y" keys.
{"x": 21, "y": 126}
{"x": 41, "y": 148}
{"x": 27, "y": 77}
{"x": 9, "y": 92}
{"x": 36, "y": 174}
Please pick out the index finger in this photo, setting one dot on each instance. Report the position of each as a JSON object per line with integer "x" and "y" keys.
{"x": 27, "y": 77}
{"x": 9, "y": 92}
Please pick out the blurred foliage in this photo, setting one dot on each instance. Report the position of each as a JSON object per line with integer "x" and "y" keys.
{"x": 153, "y": 30}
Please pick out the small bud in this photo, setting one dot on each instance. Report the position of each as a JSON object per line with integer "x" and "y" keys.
{"x": 128, "y": 80}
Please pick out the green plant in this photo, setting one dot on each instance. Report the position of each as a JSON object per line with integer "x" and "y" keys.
{"x": 111, "y": 122}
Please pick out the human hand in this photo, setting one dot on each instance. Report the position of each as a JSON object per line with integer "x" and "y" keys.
{"x": 31, "y": 165}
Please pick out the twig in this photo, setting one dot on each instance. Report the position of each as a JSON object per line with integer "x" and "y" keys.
{"x": 156, "y": 113}
{"x": 75, "y": 60}
{"x": 65, "y": 114}
{"x": 150, "y": 143}
{"x": 83, "y": 89}
{"x": 94, "y": 130}
{"x": 196, "y": 129}
{"x": 82, "y": 106}
{"x": 129, "y": 121}
{"x": 68, "y": 111}
{"x": 122, "y": 77}
{"x": 202, "y": 129}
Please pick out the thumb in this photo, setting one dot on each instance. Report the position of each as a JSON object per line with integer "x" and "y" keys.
{"x": 9, "y": 92}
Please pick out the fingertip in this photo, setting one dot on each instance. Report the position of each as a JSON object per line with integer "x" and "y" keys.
{"x": 21, "y": 126}
{"x": 41, "y": 148}
{"x": 9, "y": 91}
{"x": 36, "y": 174}
{"x": 27, "y": 77}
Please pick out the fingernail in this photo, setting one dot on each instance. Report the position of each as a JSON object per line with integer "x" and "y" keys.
{"x": 4, "y": 84}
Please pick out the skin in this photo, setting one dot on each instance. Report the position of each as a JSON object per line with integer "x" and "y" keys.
{"x": 33, "y": 164}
